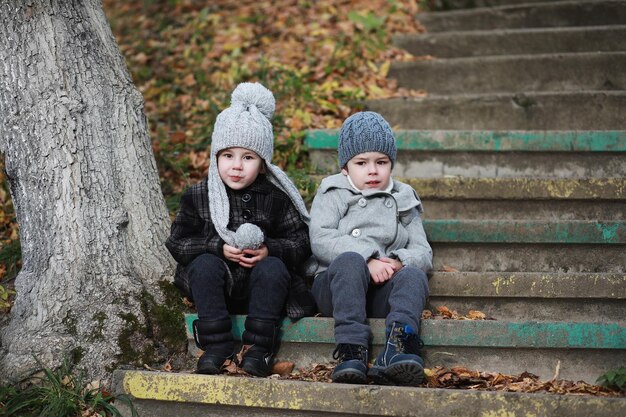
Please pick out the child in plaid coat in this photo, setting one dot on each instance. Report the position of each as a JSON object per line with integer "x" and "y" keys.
{"x": 239, "y": 237}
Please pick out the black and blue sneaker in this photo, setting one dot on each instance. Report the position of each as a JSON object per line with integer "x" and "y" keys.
{"x": 352, "y": 366}
{"x": 399, "y": 363}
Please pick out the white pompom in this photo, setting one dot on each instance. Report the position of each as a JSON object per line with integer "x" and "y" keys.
{"x": 249, "y": 236}
{"x": 247, "y": 94}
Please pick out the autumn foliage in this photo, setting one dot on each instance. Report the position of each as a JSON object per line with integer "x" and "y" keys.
{"x": 320, "y": 58}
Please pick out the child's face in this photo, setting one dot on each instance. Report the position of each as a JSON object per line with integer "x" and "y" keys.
{"x": 238, "y": 167}
{"x": 369, "y": 170}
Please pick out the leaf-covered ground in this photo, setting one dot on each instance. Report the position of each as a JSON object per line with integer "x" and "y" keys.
{"x": 436, "y": 377}
{"x": 320, "y": 58}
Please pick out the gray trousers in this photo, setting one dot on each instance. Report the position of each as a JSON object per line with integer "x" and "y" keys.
{"x": 345, "y": 292}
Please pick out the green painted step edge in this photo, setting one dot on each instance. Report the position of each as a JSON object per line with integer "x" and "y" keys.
{"x": 518, "y": 285}
{"x": 280, "y": 396}
{"x": 492, "y": 141}
{"x": 525, "y": 231}
{"x": 465, "y": 333}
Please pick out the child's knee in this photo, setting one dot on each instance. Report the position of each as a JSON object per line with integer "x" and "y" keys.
{"x": 414, "y": 278}
{"x": 271, "y": 270}
{"x": 349, "y": 267}
{"x": 271, "y": 264}
{"x": 206, "y": 267}
{"x": 348, "y": 260}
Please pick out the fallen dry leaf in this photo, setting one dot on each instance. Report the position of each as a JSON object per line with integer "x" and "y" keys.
{"x": 283, "y": 368}
{"x": 443, "y": 312}
{"x": 476, "y": 315}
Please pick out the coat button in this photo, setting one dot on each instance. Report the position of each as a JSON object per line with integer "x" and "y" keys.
{"x": 247, "y": 214}
{"x": 356, "y": 233}
{"x": 246, "y": 197}
{"x": 362, "y": 202}
{"x": 388, "y": 203}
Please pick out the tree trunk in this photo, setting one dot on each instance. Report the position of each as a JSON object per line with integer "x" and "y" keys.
{"x": 86, "y": 193}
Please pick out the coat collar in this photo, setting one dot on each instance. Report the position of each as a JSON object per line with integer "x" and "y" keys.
{"x": 405, "y": 195}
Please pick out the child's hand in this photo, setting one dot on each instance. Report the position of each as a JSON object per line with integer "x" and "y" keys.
{"x": 395, "y": 263}
{"x": 251, "y": 257}
{"x": 380, "y": 271}
{"x": 232, "y": 253}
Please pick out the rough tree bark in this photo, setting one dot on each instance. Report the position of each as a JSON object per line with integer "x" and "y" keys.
{"x": 86, "y": 192}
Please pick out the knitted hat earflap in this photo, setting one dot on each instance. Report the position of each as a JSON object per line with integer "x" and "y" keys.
{"x": 246, "y": 124}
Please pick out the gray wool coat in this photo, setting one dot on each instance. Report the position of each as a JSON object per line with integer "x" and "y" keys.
{"x": 372, "y": 223}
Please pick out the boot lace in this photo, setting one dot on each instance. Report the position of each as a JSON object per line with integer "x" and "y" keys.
{"x": 409, "y": 343}
{"x": 346, "y": 352}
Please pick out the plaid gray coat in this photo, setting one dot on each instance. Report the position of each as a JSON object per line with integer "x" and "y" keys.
{"x": 262, "y": 203}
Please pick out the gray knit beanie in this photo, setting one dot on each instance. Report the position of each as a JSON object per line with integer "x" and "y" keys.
{"x": 246, "y": 124}
{"x": 365, "y": 132}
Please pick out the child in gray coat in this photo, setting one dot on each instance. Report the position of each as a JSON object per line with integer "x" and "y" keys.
{"x": 367, "y": 236}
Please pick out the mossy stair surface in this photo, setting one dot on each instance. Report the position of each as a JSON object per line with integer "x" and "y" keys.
{"x": 492, "y": 154}
{"x": 562, "y": 72}
{"x": 546, "y": 110}
{"x": 546, "y": 14}
{"x": 521, "y": 245}
{"x": 477, "y": 344}
{"x": 552, "y": 65}
{"x": 515, "y": 41}
{"x": 522, "y": 231}
{"x": 532, "y": 296}
{"x": 167, "y": 394}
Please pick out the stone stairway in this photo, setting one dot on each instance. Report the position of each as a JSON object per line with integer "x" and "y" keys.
{"x": 520, "y": 163}
{"x": 555, "y": 65}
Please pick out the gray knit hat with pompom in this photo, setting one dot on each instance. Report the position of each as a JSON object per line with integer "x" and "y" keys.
{"x": 246, "y": 124}
{"x": 365, "y": 131}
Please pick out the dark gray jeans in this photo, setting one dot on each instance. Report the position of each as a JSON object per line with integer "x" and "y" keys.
{"x": 345, "y": 292}
{"x": 267, "y": 289}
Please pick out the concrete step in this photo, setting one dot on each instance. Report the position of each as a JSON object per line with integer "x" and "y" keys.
{"x": 515, "y": 41}
{"x": 588, "y": 110}
{"x": 492, "y": 154}
{"x": 528, "y": 245}
{"x": 564, "y": 72}
{"x": 586, "y": 350}
{"x": 439, "y": 5}
{"x": 573, "y": 232}
{"x": 538, "y": 257}
{"x": 548, "y": 14}
{"x": 532, "y": 296}
{"x": 160, "y": 394}
{"x": 514, "y": 209}
{"x": 520, "y": 189}
{"x": 567, "y": 191}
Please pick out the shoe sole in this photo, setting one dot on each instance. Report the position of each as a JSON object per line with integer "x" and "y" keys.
{"x": 254, "y": 371}
{"x": 378, "y": 377}
{"x": 209, "y": 370}
{"x": 406, "y": 373}
{"x": 349, "y": 376}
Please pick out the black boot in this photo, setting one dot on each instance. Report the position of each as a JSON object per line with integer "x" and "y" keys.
{"x": 352, "y": 364}
{"x": 262, "y": 336}
{"x": 216, "y": 339}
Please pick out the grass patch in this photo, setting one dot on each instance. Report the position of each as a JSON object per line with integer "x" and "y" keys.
{"x": 61, "y": 392}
